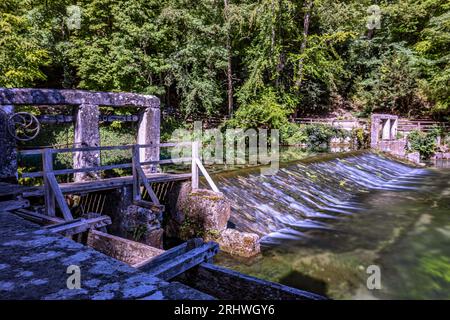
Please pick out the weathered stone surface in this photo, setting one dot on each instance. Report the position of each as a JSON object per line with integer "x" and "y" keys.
{"x": 231, "y": 285}
{"x": 154, "y": 238}
{"x": 394, "y": 147}
{"x": 75, "y": 97}
{"x": 441, "y": 155}
{"x": 149, "y": 133}
{"x": 87, "y": 134}
{"x": 125, "y": 250}
{"x": 204, "y": 213}
{"x": 34, "y": 265}
{"x": 198, "y": 213}
{"x": 413, "y": 157}
{"x": 234, "y": 242}
{"x": 383, "y": 127}
{"x": 8, "y": 152}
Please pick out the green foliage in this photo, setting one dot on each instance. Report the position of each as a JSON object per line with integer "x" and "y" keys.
{"x": 312, "y": 135}
{"x": 391, "y": 85}
{"x": 21, "y": 55}
{"x": 264, "y": 112}
{"x": 424, "y": 143}
{"x": 293, "y": 134}
{"x": 360, "y": 137}
{"x": 177, "y": 50}
{"x": 321, "y": 134}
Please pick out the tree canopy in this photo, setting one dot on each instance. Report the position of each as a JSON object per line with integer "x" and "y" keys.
{"x": 305, "y": 56}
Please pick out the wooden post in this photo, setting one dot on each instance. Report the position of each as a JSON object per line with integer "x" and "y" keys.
{"x": 207, "y": 176}
{"x": 136, "y": 184}
{"x": 194, "y": 178}
{"x": 47, "y": 167}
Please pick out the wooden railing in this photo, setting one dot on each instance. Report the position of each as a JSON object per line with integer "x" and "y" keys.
{"x": 405, "y": 125}
{"x": 53, "y": 192}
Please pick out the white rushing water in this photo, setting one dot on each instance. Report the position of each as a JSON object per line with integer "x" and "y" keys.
{"x": 301, "y": 197}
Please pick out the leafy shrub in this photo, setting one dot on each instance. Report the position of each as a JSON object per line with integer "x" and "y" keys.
{"x": 424, "y": 143}
{"x": 292, "y": 134}
{"x": 321, "y": 134}
{"x": 360, "y": 137}
{"x": 314, "y": 135}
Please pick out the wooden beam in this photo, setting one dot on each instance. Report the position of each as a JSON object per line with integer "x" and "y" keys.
{"x": 207, "y": 176}
{"x": 53, "y": 184}
{"x": 142, "y": 176}
{"x": 80, "y": 225}
{"x": 70, "y": 171}
{"x": 107, "y": 184}
{"x": 168, "y": 255}
{"x": 149, "y": 205}
{"x": 14, "y": 205}
{"x": 47, "y": 167}
{"x": 194, "y": 168}
{"x": 182, "y": 263}
{"x": 37, "y": 217}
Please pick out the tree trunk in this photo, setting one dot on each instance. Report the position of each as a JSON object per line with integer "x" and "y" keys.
{"x": 229, "y": 67}
{"x": 307, "y": 7}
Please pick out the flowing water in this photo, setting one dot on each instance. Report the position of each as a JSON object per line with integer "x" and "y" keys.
{"x": 323, "y": 221}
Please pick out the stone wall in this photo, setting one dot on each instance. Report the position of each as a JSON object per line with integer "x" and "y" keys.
{"x": 8, "y": 154}
{"x": 383, "y": 138}
{"x": 87, "y": 134}
{"x": 133, "y": 222}
{"x": 231, "y": 285}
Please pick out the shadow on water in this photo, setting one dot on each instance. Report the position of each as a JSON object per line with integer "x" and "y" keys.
{"x": 304, "y": 282}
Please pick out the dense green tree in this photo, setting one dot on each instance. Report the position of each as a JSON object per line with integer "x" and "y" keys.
{"x": 216, "y": 57}
{"x": 21, "y": 55}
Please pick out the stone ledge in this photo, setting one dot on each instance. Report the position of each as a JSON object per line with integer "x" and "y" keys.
{"x": 75, "y": 97}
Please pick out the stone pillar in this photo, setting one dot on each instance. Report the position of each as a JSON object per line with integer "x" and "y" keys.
{"x": 375, "y": 124}
{"x": 149, "y": 133}
{"x": 87, "y": 134}
{"x": 8, "y": 151}
{"x": 205, "y": 213}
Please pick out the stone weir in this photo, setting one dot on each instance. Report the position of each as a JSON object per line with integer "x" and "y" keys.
{"x": 308, "y": 195}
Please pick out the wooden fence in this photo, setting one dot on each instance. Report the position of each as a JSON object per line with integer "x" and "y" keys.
{"x": 53, "y": 192}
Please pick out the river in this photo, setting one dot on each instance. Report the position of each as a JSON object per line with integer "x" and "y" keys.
{"x": 325, "y": 220}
